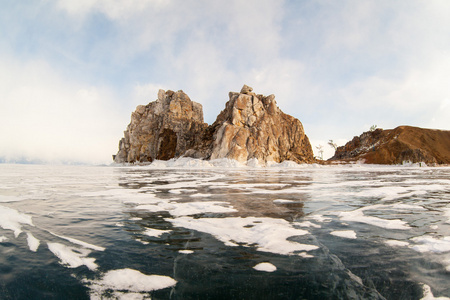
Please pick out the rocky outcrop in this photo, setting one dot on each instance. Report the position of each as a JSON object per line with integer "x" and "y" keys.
{"x": 395, "y": 146}
{"x": 250, "y": 126}
{"x": 162, "y": 129}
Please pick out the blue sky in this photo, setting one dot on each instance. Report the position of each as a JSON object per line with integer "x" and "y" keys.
{"x": 71, "y": 72}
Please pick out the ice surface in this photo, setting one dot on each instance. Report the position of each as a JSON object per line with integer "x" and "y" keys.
{"x": 155, "y": 232}
{"x": 33, "y": 243}
{"x": 265, "y": 267}
{"x": 431, "y": 244}
{"x": 447, "y": 214}
{"x": 72, "y": 257}
{"x": 348, "y": 234}
{"x": 3, "y": 238}
{"x": 267, "y": 234}
{"x": 11, "y": 219}
{"x": 128, "y": 280}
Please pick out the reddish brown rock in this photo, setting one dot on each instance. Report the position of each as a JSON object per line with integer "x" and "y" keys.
{"x": 395, "y": 146}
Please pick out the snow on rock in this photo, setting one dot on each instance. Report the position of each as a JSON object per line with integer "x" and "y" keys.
{"x": 265, "y": 267}
{"x": 428, "y": 295}
{"x": 3, "y": 238}
{"x": 268, "y": 234}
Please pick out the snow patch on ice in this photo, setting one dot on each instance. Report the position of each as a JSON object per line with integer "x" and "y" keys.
{"x": 265, "y": 267}
{"x": 33, "y": 243}
{"x": 396, "y": 243}
{"x": 308, "y": 224}
{"x": 155, "y": 232}
{"x": 282, "y": 201}
{"x": 189, "y": 208}
{"x": 186, "y": 251}
{"x": 431, "y": 244}
{"x": 428, "y": 295}
{"x": 348, "y": 234}
{"x": 11, "y": 219}
{"x": 78, "y": 242}
{"x": 72, "y": 257}
{"x": 357, "y": 215}
{"x": 5, "y": 199}
{"x": 128, "y": 280}
{"x": 267, "y": 234}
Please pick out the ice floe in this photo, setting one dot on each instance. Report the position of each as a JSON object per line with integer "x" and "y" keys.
{"x": 72, "y": 257}
{"x": 267, "y": 234}
{"x": 348, "y": 234}
{"x": 265, "y": 267}
{"x": 128, "y": 280}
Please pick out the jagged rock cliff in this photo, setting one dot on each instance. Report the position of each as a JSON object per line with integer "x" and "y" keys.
{"x": 250, "y": 126}
{"x": 162, "y": 129}
{"x": 404, "y": 143}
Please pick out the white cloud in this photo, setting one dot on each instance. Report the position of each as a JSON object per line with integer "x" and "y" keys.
{"x": 46, "y": 116}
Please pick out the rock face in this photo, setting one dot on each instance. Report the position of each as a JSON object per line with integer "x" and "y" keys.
{"x": 250, "y": 126}
{"x": 395, "y": 146}
{"x": 163, "y": 129}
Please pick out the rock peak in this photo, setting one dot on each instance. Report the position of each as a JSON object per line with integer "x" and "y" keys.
{"x": 246, "y": 89}
{"x": 250, "y": 127}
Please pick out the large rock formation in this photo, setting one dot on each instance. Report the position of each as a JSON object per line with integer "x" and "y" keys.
{"x": 162, "y": 129}
{"x": 395, "y": 146}
{"x": 250, "y": 126}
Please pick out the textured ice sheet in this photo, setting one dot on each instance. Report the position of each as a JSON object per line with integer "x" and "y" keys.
{"x": 267, "y": 234}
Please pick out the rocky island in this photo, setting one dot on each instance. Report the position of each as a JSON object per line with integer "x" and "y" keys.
{"x": 395, "y": 146}
{"x": 250, "y": 127}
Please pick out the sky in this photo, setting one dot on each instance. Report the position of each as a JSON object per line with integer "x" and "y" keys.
{"x": 72, "y": 72}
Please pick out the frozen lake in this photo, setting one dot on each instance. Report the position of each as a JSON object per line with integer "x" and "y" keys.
{"x": 192, "y": 230}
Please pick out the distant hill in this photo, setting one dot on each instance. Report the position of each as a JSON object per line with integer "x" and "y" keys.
{"x": 394, "y": 146}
